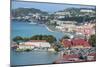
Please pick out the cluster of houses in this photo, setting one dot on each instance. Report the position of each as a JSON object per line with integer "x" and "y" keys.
{"x": 89, "y": 12}
{"x": 75, "y": 43}
{"x": 61, "y": 14}
{"x": 77, "y": 55}
{"x": 66, "y": 58}
{"x": 32, "y": 16}
{"x": 85, "y": 28}
{"x": 71, "y": 26}
{"x": 76, "y": 50}
{"x": 82, "y": 12}
{"x": 65, "y": 26}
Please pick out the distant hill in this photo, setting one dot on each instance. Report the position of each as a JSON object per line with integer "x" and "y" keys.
{"x": 77, "y": 15}
{"x": 25, "y": 11}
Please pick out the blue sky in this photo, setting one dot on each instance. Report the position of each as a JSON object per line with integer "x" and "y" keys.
{"x": 48, "y": 7}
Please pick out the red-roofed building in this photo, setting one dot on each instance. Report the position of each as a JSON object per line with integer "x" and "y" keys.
{"x": 76, "y": 43}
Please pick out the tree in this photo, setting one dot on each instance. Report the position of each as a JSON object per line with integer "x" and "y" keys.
{"x": 92, "y": 40}
{"x": 65, "y": 37}
{"x": 48, "y": 38}
{"x": 26, "y": 39}
{"x": 17, "y": 39}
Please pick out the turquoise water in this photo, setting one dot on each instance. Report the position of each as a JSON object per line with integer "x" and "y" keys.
{"x": 28, "y": 30}
{"x": 33, "y": 57}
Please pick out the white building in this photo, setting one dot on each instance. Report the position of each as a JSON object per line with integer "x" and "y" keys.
{"x": 66, "y": 25}
{"x": 60, "y": 28}
{"x": 65, "y": 22}
{"x": 35, "y": 43}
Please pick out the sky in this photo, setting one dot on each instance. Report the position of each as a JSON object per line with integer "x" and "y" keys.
{"x": 48, "y": 7}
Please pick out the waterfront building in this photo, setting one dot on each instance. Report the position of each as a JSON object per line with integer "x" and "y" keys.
{"x": 35, "y": 43}
{"x": 60, "y": 28}
{"x": 26, "y": 46}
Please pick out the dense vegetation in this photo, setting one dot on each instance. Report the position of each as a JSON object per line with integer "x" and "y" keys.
{"x": 48, "y": 38}
{"x": 75, "y": 12}
{"x": 92, "y": 40}
{"x": 65, "y": 37}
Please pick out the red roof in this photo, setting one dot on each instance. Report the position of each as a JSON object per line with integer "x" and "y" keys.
{"x": 71, "y": 56}
{"x": 75, "y": 42}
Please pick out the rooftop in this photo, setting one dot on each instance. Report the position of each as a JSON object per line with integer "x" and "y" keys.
{"x": 75, "y": 42}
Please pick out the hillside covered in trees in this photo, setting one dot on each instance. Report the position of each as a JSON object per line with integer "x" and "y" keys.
{"x": 26, "y": 11}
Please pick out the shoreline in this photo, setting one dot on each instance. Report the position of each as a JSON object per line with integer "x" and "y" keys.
{"x": 48, "y": 28}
